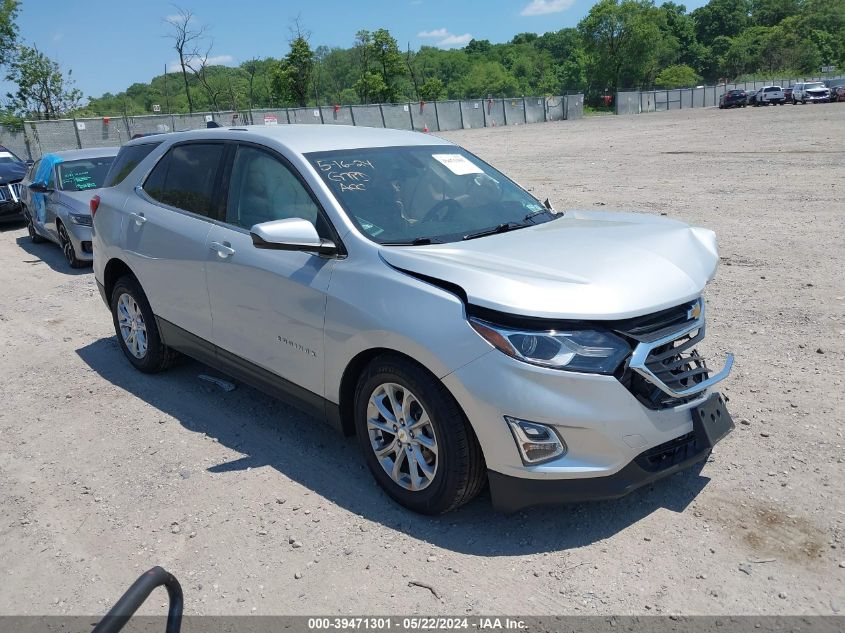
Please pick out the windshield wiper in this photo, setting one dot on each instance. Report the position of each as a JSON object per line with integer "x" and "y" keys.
{"x": 417, "y": 241}
{"x": 547, "y": 208}
{"x": 499, "y": 228}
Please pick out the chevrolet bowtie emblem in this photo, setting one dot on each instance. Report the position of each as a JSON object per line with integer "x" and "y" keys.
{"x": 694, "y": 312}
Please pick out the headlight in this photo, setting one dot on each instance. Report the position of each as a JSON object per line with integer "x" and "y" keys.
{"x": 81, "y": 219}
{"x": 590, "y": 351}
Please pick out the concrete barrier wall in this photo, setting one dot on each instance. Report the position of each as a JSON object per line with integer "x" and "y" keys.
{"x": 367, "y": 115}
{"x": 40, "y": 137}
{"x": 473, "y": 112}
{"x": 449, "y": 115}
{"x": 555, "y": 108}
{"x": 397, "y": 115}
{"x": 574, "y": 106}
{"x": 637, "y": 102}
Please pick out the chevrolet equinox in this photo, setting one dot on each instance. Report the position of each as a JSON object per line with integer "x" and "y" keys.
{"x": 412, "y": 295}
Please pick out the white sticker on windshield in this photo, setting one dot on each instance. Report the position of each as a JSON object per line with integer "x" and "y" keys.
{"x": 457, "y": 164}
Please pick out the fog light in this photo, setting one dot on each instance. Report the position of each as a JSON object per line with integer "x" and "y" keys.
{"x": 536, "y": 442}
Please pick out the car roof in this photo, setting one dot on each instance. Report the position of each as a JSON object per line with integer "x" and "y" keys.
{"x": 76, "y": 154}
{"x": 306, "y": 138}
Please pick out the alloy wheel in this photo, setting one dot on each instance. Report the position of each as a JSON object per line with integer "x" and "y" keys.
{"x": 402, "y": 436}
{"x": 67, "y": 245}
{"x": 130, "y": 319}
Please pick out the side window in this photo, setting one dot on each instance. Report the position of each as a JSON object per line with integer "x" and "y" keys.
{"x": 127, "y": 159}
{"x": 262, "y": 188}
{"x": 185, "y": 177}
{"x": 51, "y": 179}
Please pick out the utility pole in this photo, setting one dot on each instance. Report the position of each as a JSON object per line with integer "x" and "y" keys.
{"x": 166, "y": 93}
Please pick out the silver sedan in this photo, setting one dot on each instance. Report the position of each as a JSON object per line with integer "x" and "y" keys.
{"x": 56, "y": 194}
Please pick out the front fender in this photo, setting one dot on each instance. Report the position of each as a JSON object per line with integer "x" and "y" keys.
{"x": 372, "y": 306}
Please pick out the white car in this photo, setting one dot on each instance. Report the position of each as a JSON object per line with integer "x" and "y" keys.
{"x": 770, "y": 94}
{"x": 812, "y": 92}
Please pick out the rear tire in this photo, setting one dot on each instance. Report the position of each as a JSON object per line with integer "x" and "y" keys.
{"x": 396, "y": 398}
{"x": 136, "y": 329}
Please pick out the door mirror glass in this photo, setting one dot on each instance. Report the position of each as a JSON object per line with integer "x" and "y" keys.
{"x": 291, "y": 234}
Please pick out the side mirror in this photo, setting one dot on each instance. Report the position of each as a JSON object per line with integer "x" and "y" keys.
{"x": 39, "y": 187}
{"x": 292, "y": 234}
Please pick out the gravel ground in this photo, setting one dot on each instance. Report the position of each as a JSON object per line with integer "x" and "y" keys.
{"x": 105, "y": 472}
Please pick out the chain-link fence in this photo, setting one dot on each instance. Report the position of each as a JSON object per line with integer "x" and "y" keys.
{"x": 40, "y": 137}
{"x": 637, "y": 102}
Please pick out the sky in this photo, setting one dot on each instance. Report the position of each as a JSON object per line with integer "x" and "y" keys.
{"x": 111, "y": 45}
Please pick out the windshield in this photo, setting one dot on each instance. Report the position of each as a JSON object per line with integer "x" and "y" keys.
{"x": 426, "y": 193}
{"x": 7, "y": 157}
{"x": 80, "y": 175}
{"x": 814, "y": 86}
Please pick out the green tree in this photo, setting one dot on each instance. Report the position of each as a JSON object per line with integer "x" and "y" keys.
{"x": 772, "y": 12}
{"x": 369, "y": 87}
{"x": 432, "y": 89}
{"x": 621, "y": 40}
{"x": 8, "y": 29}
{"x": 478, "y": 47}
{"x": 42, "y": 90}
{"x": 678, "y": 76}
{"x": 486, "y": 78}
{"x": 721, "y": 18}
{"x": 390, "y": 64}
{"x": 292, "y": 78}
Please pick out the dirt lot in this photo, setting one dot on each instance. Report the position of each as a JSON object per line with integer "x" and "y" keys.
{"x": 105, "y": 472}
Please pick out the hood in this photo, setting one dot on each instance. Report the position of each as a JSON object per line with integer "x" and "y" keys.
{"x": 10, "y": 172}
{"x": 585, "y": 265}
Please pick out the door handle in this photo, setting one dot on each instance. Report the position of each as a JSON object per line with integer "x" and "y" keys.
{"x": 223, "y": 250}
{"x": 138, "y": 217}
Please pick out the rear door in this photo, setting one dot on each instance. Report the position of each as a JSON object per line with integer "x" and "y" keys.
{"x": 166, "y": 226}
{"x": 268, "y": 306}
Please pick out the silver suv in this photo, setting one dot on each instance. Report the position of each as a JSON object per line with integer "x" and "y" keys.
{"x": 412, "y": 295}
{"x": 812, "y": 92}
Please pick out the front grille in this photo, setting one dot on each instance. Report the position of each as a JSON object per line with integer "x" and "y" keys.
{"x": 673, "y": 365}
{"x": 656, "y": 325}
{"x": 10, "y": 192}
{"x": 678, "y": 365}
{"x": 669, "y": 453}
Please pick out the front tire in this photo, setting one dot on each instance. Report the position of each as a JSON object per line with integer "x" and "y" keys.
{"x": 135, "y": 325}
{"x": 33, "y": 234}
{"x": 67, "y": 248}
{"x": 416, "y": 441}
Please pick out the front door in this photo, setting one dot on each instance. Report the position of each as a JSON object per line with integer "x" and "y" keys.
{"x": 268, "y": 306}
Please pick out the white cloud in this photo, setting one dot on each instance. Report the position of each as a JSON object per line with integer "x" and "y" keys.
{"x": 445, "y": 39}
{"x": 214, "y": 60}
{"x": 543, "y": 7}
{"x": 455, "y": 40}
{"x": 441, "y": 33}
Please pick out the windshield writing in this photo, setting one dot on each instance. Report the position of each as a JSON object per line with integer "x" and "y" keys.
{"x": 422, "y": 194}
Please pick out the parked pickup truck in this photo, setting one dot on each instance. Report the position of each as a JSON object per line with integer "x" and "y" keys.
{"x": 403, "y": 289}
{"x": 769, "y": 95}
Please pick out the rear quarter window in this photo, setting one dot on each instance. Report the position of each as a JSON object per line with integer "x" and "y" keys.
{"x": 186, "y": 176}
{"x": 128, "y": 158}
